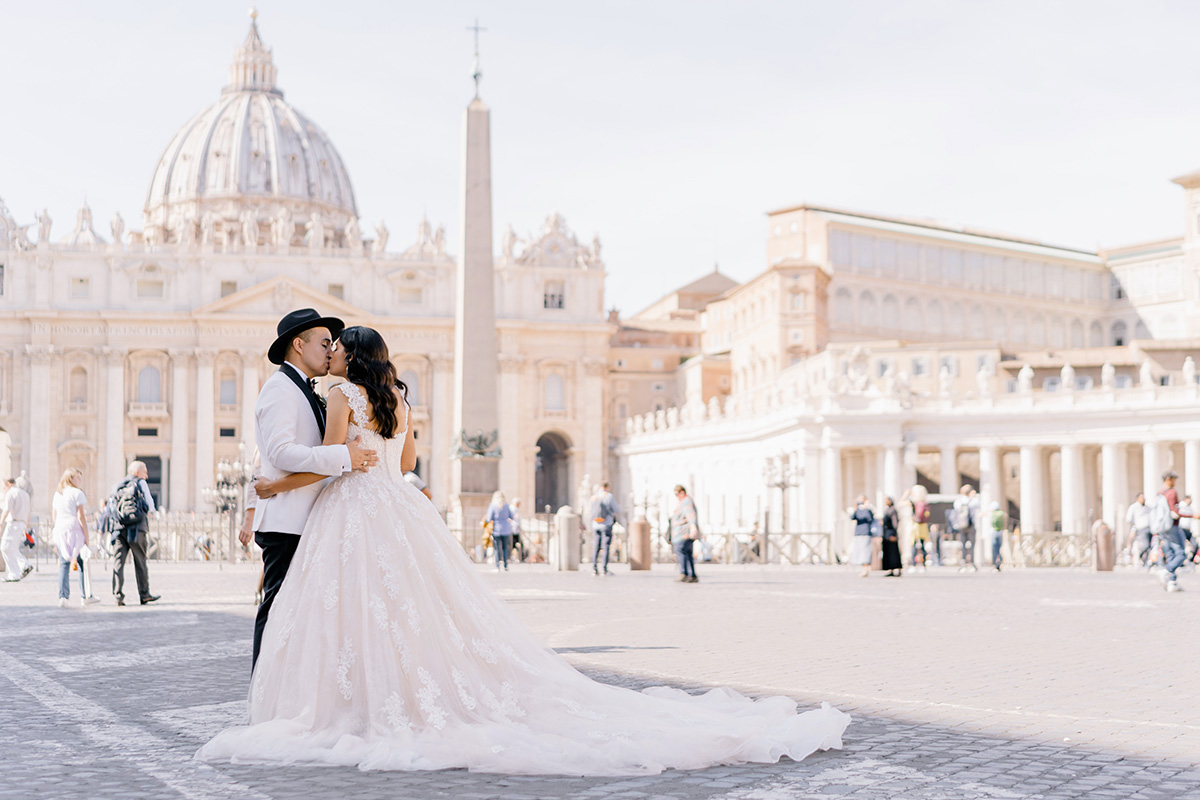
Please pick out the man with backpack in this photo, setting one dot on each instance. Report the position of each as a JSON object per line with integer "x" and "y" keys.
{"x": 604, "y": 515}
{"x": 129, "y": 509}
{"x": 1164, "y": 523}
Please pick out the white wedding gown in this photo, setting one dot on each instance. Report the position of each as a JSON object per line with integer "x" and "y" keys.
{"x": 385, "y": 650}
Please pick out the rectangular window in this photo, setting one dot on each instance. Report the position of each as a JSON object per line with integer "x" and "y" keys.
{"x": 80, "y": 288}
{"x": 1, "y": 280}
{"x": 1118, "y": 293}
{"x": 864, "y": 253}
{"x": 553, "y": 295}
{"x": 949, "y": 363}
{"x": 887, "y": 256}
{"x": 151, "y": 288}
{"x": 147, "y": 431}
{"x": 920, "y": 366}
{"x": 952, "y": 265}
{"x": 910, "y": 261}
{"x": 839, "y": 248}
{"x": 228, "y": 288}
{"x": 933, "y": 264}
{"x": 410, "y": 297}
{"x": 228, "y": 433}
{"x": 338, "y": 290}
{"x": 799, "y": 301}
{"x": 229, "y": 391}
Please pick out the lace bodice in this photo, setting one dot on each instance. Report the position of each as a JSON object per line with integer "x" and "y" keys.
{"x": 390, "y": 450}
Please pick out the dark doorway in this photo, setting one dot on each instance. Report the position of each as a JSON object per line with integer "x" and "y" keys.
{"x": 154, "y": 468}
{"x": 552, "y": 481}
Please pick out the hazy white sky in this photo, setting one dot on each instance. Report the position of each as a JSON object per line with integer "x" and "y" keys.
{"x": 668, "y": 127}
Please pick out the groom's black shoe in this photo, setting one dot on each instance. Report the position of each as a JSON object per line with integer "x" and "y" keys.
{"x": 150, "y": 598}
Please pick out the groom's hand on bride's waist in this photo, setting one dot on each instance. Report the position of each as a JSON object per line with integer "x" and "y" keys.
{"x": 360, "y": 457}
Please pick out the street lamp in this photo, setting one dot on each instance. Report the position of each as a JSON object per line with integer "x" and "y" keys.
{"x": 782, "y": 474}
{"x": 226, "y": 496}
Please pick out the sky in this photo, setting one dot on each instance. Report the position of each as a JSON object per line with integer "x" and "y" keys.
{"x": 668, "y": 128}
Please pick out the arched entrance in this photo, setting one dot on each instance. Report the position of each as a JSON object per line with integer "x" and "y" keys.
{"x": 552, "y": 479}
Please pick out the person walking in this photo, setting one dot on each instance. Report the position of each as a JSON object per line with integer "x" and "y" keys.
{"x": 860, "y": 552}
{"x": 891, "y": 539}
{"x": 996, "y": 526}
{"x": 68, "y": 512}
{"x": 604, "y": 515}
{"x": 500, "y": 516}
{"x": 14, "y": 522}
{"x": 132, "y": 505}
{"x": 921, "y": 515}
{"x": 1138, "y": 517}
{"x": 514, "y": 508}
{"x": 685, "y": 529}
{"x": 1164, "y": 523}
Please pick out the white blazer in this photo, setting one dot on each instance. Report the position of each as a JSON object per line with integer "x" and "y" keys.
{"x": 290, "y": 441}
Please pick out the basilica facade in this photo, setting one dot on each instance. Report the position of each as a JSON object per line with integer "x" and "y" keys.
{"x": 118, "y": 344}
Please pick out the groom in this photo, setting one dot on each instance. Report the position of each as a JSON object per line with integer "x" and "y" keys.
{"x": 289, "y": 422}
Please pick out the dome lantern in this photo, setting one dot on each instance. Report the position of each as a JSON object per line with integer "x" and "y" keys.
{"x": 252, "y": 69}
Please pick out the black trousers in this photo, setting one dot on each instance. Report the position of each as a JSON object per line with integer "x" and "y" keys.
{"x": 278, "y": 549}
{"x": 138, "y": 549}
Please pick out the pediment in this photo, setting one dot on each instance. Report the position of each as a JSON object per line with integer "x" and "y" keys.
{"x": 277, "y": 297}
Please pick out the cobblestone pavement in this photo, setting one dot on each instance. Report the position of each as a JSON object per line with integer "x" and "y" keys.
{"x": 1022, "y": 684}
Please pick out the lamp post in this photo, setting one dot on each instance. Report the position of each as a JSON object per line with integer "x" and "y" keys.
{"x": 782, "y": 474}
{"x": 226, "y": 496}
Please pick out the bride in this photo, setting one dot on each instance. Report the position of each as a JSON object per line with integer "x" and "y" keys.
{"x": 386, "y": 650}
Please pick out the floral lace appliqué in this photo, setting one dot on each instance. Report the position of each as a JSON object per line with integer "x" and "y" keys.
{"x": 346, "y": 657}
{"x": 434, "y": 714}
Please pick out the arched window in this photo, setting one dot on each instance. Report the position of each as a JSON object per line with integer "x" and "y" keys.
{"x": 149, "y": 385}
{"x": 955, "y": 325}
{"x": 1018, "y": 328}
{"x": 890, "y": 319}
{"x": 868, "y": 311}
{"x": 1037, "y": 332}
{"x": 228, "y": 388}
{"x": 999, "y": 330}
{"x": 79, "y": 386}
{"x": 843, "y": 307}
{"x": 1058, "y": 337}
{"x": 977, "y": 325}
{"x": 1076, "y": 333}
{"x": 414, "y": 387}
{"x": 554, "y": 393}
{"x": 1120, "y": 334}
{"x": 933, "y": 317}
{"x": 913, "y": 322}
{"x": 1095, "y": 335}
{"x": 1140, "y": 331}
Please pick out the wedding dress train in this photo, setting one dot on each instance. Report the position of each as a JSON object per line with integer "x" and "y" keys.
{"x": 386, "y": 650}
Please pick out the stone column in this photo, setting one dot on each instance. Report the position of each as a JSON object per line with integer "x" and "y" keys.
{"x": 1071, "y": 474}
{"x": 114, "y": 417}
{"x": 892, "y": 456}
{"x": 250, "y": 387}
{"x": 205, "y": 431}
{"x": 1033, "y": 487}
{"x": 991, "y": 490}
{"x": 591, "y": 408}
{"x": 178, "y": 496}
{"x": 948, "y": 482}
{"x": 510, "y": 422}
{"x": 437, "y": 474}
{"x": 834, "y": 521}
{"x": 1112, "y": 491}
{"x": 1191, "y": 471}
{"x": 40, "y": 448}
{"x": 1152, "y": 469}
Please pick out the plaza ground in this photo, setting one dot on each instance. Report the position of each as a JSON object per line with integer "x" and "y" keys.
{"x": 1048, "y": 683}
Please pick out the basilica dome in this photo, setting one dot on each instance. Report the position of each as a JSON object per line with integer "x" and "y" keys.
{"x": 250, "y": 156}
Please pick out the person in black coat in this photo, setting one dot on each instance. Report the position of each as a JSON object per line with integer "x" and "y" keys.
{"x": 891, "y": 539}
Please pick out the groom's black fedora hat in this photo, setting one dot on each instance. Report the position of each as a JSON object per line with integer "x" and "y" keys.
{"x": 296, "y": 323}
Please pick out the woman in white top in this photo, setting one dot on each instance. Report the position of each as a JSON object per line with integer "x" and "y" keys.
{"x": 69, "y": 514}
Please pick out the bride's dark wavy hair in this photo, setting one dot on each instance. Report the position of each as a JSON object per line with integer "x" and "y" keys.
{"x": 368, "y": 366}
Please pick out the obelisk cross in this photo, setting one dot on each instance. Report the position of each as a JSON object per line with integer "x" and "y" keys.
{"x": 478, "y": 72}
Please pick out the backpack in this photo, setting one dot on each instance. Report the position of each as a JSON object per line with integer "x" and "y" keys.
{"x": 1160, "y": 515}
{"x": 127, "y": 505}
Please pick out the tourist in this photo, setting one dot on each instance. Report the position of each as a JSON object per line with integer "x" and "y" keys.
{"x": 604, "y": 514}
{"x": 891, "y": 539}
{"x": 514, "y": 508}
{"x": 1185, "y": 524}
{"x": 68, "y": 514}
{"x": 500, "y": 516}
{"x": 996, "y": 525}
{"x": 685, "y": 529}
{"x": 132, "y": 532}
{"x": 920, "y": 517}
{"x": 14, "y": 522}
{"x": 860, "y": 553}
{"x": 1138, "y": 517}
{"x": 962, "y": 520}
{"x": 1165, "y": 525}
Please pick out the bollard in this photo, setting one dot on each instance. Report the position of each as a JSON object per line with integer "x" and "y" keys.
{"x": 1102, "y": 545}
{"x": 564, "y": 545}
{"x": 640, "y": 556}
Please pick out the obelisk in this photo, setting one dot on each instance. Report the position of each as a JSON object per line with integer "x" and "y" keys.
{"x": 475, "y": 467}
